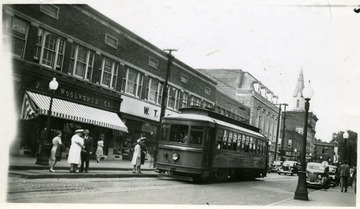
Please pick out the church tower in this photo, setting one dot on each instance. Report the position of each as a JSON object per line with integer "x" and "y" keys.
{"x": 298, "y": 99}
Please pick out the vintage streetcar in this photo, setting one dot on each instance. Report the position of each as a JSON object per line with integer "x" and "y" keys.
{"x": 205, "y": 146}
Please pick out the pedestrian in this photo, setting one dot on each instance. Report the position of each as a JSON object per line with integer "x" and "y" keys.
{"x": 136, "y": 159}
{"x": 77, "y": 144}
{"x": 55, "y": 154}
{"x": 344, "y": 175}
{"x": 86, "y": 152}
{"x": 100, "y": 146}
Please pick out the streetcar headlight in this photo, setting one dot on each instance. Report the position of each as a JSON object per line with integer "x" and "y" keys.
{"x": 175, "y": 156}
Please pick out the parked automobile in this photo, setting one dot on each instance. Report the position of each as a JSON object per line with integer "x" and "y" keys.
{"x": 315, "y": 175}
{"x": 334, "y": 176}
{"x": 289, "y": 167}
{"x": 274, "y": 167}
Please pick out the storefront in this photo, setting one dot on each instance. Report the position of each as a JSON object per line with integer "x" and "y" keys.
{"x": 142, "y": 119}
{"x": 76, "y": 104}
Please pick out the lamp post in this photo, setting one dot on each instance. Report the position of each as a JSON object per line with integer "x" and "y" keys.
{"x": 301, "y": 192}
{"x": 345, "y": 136}
{"x": 43, "y": 158}
{"x": 295, "y": 150}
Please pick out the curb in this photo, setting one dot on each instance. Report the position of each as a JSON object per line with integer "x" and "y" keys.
{"x": 16, "y": 168}
{"x": 37, "y": 175}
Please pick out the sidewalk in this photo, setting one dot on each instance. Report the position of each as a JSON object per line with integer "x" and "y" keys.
{"x": 331, "y": 197}
{"x": 25, "y": 167}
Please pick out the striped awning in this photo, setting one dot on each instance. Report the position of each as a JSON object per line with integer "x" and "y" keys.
{"x": 77, "y": 112}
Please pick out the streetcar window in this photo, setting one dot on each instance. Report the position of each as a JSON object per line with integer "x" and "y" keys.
{"x": 196, "y": 134}
{"x": 219, "y": 135}
{"x": 224, "y": 141}
{"x": 247, "y": 144}
{"x": 229, "y": 143}
{"x": 165, "y": 132}
{"x": 239, "y": 143}
{"x": 234, "y": 144}
{"x": 178, "y": 133}
{"x": 243, "y": 143}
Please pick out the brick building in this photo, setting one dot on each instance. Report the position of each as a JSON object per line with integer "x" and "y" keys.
{"x": 101, "y": 67}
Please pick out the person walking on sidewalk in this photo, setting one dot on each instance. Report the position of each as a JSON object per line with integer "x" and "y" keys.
{"x": 344, "y": 175}
{"x": 55, "y": 154}
{"x": 99, "y": 149}
{"x": 136, "y": 159}
{"x": 77, "y": 143}
{"x": 85, "y": 153}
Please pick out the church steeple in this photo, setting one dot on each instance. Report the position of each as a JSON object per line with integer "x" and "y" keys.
{"x": 298, "y": 99}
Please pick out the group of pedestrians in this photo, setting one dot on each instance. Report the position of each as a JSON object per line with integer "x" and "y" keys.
{"x": 80, "y": 151}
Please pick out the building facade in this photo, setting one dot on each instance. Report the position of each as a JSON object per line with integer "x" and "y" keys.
{"x": 99, "y": 65}
{"x": 325, "y": 151}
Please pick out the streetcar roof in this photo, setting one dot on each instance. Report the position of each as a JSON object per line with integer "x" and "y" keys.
{"x": 189, "y": 116}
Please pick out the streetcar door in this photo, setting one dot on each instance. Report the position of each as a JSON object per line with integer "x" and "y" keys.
{"x": 209, "y": 139}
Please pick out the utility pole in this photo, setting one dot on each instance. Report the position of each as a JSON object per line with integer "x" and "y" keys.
{"x": 163, "y": 99}
{"x": 283, "y": 134}
{"x": 277, "y": 132}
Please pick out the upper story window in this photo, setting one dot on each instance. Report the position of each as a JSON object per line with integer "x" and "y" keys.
{"x": 207, "y": 90}
{"x": 81, "y": 62}
{"x": 155, "y": 90}
{"x": 50, "y": 10}
{"x": 109, "y": 73}
{"x": 50, "y": 49}
{"x": 173, "y": 97}
{"x": 195, "y": 101}
{"x": 111, "y": 41}
{"x": 300, "y": 130}
{"x": 17, "y": 29}
{"x": 184, "y": 100}
{"x": 153, "y": 62}
{"x": 133, "y": 82}
{"x": 184, "y": 78}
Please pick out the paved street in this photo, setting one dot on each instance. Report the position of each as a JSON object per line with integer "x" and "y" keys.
{"x": 273, "y": 190}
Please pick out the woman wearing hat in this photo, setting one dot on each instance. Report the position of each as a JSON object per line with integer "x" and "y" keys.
{"x": 99, "y": 149}
{"x": 77, "y": 144}
{"x": 136, "y": 159}
{"x": 55, "y": 150}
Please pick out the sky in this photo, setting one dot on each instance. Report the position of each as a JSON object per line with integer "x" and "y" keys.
{"x": 272, "y": 41}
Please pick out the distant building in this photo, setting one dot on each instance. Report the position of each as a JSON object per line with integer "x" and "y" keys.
{"x": 325, "y": 151}
{"x": 294, "y": 125}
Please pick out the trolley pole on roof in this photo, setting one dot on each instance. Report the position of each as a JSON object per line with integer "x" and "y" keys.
{"x": 283, "y": 134}
{"x": 163, "y": 99}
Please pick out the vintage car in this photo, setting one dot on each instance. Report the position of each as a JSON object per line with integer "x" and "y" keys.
{"x": 334, "y": 177}
{"x": 274, "y": 167}
{"x": 289, "y": 167}
{"x": 315, "y": 175}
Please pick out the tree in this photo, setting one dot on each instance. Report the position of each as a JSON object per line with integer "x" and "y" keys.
{"x": 351, "y": 146}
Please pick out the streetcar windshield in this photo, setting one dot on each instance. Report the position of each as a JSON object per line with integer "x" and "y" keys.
{"x": 185, "y": 134}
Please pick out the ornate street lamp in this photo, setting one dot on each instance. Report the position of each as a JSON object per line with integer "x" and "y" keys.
{"x": 301, "y": 192}
{"x": 345, "y": 136}
{"x": 43, "y": 157}
{"x": 295, "y": 150}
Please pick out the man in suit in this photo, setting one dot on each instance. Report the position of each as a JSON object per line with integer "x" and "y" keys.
{"x": 344, "y": 171}
{"x": 85, "y": 153}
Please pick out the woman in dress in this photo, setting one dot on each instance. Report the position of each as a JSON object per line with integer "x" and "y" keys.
{"x": 55, "y": 149}
{"x": 77, "y": 143}
{"x": 99, "y": 149}
{"x": 136, "y": 159}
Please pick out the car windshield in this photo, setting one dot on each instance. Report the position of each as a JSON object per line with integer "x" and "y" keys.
{"x": 315, "y": 167}
{"x": 289, "y": 163}
{"x": 277, "y": 162}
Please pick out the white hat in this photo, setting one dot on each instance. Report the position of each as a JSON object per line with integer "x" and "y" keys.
{"x": 79, "y": 130}
{"x": 141, "y": 138}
